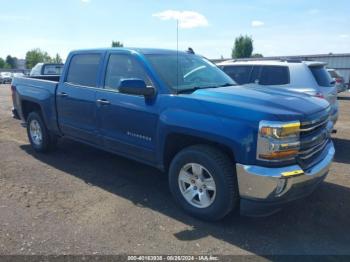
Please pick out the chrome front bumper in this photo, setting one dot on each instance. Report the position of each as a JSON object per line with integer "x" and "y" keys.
{"x": 279, "y": 185}
{"x": 335, "y": 113}
{"x": 334, "y": 118}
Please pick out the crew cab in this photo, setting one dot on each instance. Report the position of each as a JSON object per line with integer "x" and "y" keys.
{"x": 224, "y": 147}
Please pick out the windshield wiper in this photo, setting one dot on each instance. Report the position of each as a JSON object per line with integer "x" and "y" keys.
{"x": 188, "y": 90}
{"x": 195, "y": 88}
{"x": 227, "y": 84}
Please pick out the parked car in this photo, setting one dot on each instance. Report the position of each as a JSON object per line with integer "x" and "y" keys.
{"x": 18, "y": 74}
{"x": 5, "y": 78}
{"x": 46, "y": 69}
{"x": 308, "y": 77}
{"x": 223, "y": 146}
{"x": 338, "y": 80}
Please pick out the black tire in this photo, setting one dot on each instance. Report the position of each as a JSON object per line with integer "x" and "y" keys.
{"x": 48, "y": 141}
{"x": 221, "y": 168}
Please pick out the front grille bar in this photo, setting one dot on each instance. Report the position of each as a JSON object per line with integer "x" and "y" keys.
{"x": 314, "y": 126}
{"x": 313, "y": 151}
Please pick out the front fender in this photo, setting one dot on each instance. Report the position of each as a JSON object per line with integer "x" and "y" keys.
{"x": 234, "y": 134}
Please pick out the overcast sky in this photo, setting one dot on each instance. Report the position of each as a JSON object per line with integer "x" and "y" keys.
{"x": 289, "y": 27}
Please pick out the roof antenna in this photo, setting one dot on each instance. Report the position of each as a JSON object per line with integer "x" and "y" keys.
{"x": 190, "y": 51}
{"x": 177, "y": 55}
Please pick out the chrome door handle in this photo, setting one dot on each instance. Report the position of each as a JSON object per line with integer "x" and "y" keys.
{"x": 62, "y": 94}
{"x": 103, "y": 102}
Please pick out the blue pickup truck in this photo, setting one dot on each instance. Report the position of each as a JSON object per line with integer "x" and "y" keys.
{"x": 224, "y": 147}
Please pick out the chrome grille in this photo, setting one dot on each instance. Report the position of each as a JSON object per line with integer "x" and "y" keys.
{"x": 314, "y": 137}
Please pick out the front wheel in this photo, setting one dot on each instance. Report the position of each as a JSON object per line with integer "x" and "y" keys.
{"x": 202, "y": 180}
{"x": 39, "y": 136}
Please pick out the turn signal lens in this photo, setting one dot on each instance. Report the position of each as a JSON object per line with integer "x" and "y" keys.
{"x": 279, "y": 154}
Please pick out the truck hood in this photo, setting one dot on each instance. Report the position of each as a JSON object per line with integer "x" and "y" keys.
{"x": 260, "y": 102}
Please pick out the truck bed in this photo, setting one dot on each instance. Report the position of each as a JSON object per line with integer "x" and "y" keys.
{"x": 53, "y": 78}
{"x": 38, "y": 91}
{"x": 24, "y": 84}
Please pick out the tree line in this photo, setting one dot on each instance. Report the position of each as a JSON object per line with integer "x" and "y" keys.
{"x": 9, "y": 62}
{"x": 39, "y": 56}
{"x": 242, "y": 48}
{"x": 33, "y": 57}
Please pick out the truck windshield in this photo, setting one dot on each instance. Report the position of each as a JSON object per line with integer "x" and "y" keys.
{"x": 186, "y": 72}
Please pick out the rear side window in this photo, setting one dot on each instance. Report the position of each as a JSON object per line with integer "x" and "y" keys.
{"x": 254, "y": 76}
{"x": 274, "y": 75}
{"x": 321, "y": 76}
{"x": 238, "y": 73}
{"x": 83, "y": 70}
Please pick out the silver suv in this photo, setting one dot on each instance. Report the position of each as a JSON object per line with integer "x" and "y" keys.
{"x": 308, "y": 77}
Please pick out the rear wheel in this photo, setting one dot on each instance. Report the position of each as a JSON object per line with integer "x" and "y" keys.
{"x": 202, "y": 180}
{"x": 39, "y": 136}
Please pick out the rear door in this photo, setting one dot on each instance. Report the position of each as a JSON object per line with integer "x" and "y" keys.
{"x": 271, "y": 75}
{"x": 127, "y": 123}
{"x": 76, "y": 97}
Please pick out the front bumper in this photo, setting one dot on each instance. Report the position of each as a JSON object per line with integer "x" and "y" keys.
{"x": 15, "y": 114}
{"x": 264, "y": 190}
{"x": 334, "y": 117}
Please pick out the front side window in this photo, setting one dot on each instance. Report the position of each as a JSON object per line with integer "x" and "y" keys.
{"x": 238, "y": 73}
{"x": 83, "y": 70}
{"x": 274, "y": 75}
{"x": 183, "y": 72}
{"x": 121, "y": 66}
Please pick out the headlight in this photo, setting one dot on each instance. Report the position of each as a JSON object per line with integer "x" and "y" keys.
{"x": 278, "y": 140}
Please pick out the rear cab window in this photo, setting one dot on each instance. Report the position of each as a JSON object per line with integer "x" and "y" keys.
{"x": 321, "y": 76}
{"x": 83, "y": 70}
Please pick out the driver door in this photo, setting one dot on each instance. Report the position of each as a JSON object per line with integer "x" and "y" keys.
{"x": 127, "y": 123}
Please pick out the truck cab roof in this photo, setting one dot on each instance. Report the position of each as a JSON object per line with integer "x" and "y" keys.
{"x": 144, "y": 51}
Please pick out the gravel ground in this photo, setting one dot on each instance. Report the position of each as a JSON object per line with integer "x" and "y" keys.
{"x": 80, "y": 200}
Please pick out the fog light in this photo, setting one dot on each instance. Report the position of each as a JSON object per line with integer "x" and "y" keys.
{"x": 281, "y": 185}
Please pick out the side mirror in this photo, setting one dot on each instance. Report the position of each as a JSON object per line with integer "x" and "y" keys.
{"x": 135, "y": 86}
